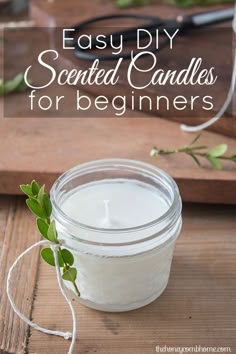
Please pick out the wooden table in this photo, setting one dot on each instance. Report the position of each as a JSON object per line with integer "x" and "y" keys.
{"x": 197, "y": 308}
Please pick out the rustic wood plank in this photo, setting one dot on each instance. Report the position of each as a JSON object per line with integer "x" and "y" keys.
{"x": 17, "y": 232}
{"x": 197, "y": 308}
{"x": 45, "y": 153}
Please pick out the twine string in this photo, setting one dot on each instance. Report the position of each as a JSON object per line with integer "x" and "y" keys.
{"x": 66, "y": 335}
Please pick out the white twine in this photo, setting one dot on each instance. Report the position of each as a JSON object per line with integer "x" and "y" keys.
{"x": 229, "y": 97}
{"x": 66, "y": 335}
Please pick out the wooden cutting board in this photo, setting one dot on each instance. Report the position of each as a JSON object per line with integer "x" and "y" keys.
{"x": 44, "y": 148}
{"x": 198, "y": 44}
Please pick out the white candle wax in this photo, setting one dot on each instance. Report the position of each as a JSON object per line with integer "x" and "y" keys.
{"x": 115, "y": 204}
{"x": 122, "y": 256}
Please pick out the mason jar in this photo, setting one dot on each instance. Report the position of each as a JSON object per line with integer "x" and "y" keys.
{"x": 120, "y": 218}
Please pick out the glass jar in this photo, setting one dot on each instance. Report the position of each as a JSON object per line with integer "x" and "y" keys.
{"x": 120, "y": 219}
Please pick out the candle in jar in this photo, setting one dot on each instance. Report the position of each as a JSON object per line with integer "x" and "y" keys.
{"x": 120, "y": 237}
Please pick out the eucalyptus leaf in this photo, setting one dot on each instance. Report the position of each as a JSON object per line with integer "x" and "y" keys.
{"x": 52, "y": 233}
{"x": 215, "y": 162}
{"x": 218, "y": 150}
{"x": 42, "y": 227}
{"x": 34, "y": 206}
{"x": 70, "y": 274}
{"x": 47, "y": 205}
{"x": 67, "y": 256}
{"x": 48, "y": 257}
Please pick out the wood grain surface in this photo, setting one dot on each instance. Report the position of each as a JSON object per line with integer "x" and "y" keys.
{"x": 197, "y": 308}
{"x": 17, "y": 232}
{"x": 45, "y": 148}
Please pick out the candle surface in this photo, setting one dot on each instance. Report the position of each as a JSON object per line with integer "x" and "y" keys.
{"x": 115, "y": 204}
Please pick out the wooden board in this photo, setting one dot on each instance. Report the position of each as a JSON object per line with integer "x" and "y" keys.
{"x": 43, "y": 148}
{"x": 65, "y": 14}
{"x": 197, "y": 308}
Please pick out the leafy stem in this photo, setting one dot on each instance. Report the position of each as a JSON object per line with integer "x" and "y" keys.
{"x": 214, "y": 155}
{"x": 40, "y": 205}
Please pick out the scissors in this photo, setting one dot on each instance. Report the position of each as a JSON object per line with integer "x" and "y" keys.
{"x": 183, "y": 23}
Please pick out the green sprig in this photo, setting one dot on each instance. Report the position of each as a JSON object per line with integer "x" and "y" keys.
{"x": 40, "y": 205}
{"x": 16, "y": 85}
{"x": 214, "y": 155}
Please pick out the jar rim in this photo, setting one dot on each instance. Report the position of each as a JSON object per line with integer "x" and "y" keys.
{"x": 174, "y": 209}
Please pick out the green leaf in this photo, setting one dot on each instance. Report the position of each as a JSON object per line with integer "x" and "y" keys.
{"x": 194, "y": 157}
{"x": 48, "y": 257}
{"x": 47, "y": 205}
{"x": 35, "y": 187}
{"x": 195, "y": 139}
{"x": 42, "y": 227}
{"x": 34, "y": 206}
{"x": 67, "y": 256}
{"x": 214, "y": 162}
{"x": 40, "y": 194}
{"x": 70, "y": 274}
{"x": 26, "y": 188}
{"x": 12, "y": 85}
{"x": 218, "y": 151}
{"x": 52, "y": 233}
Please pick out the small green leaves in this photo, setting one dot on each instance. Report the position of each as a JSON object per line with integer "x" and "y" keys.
{"x": 34, "y": 206}
{"x": 218, "y": 151}
{"x": 67, "y": 257}
{"x": 214, "y": 155}
{"x": 70, "y": 274}
{"x": 40, "y": 204}
{"x": 52, "y": 233}
{"x": 42, "y": 227}
{"x": 48, "y": 257}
